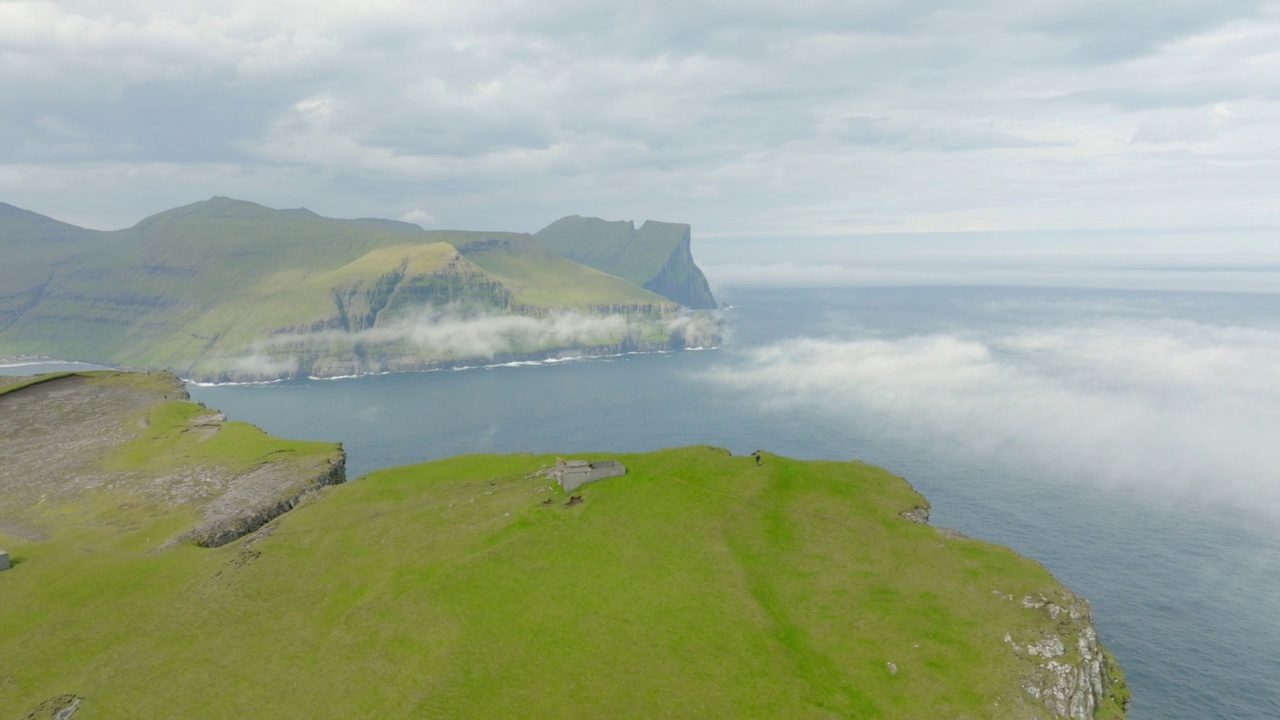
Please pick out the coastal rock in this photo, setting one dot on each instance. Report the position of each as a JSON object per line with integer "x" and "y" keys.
{"x": 1071, "y": 674}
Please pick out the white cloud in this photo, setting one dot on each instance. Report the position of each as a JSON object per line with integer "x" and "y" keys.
{"x": 804, "y": 117}
{"x": 455, "y": 333}
{"x": 258, "y": 364}
{"x": 450, "y": 333}
{"x": 419, "y": 217}
{"x": 1079, "y": 272}
{"x": 1178, "y": 408}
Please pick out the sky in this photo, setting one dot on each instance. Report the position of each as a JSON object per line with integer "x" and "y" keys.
{"x": 801, "y": 120}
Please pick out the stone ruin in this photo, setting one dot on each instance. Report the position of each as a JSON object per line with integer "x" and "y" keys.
{"x": 4, "y": 560}
{"x": 573, "y": 474}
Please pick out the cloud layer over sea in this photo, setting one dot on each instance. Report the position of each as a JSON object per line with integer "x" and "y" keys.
{"x": 454, "y": 333}
{"x": 1098, "y": 395}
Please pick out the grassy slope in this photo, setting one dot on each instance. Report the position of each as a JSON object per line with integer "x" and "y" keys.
{"x": 206, "y": 279}
{"x": 156, "y": 279}
{"x": 595, "y": 242}
{"x": 615, "y": 247}
{"x": 32, "y": 248}
{"x": 695, "y": 586}
{"x": 297, "y": 296}
{"x": 537, "y": 276}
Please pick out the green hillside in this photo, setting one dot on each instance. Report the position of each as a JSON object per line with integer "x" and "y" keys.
{"x": 231, "y": 290}
{"x": 537, "y": 276}
{"x": 32, "y": 248}
{"x": 656, "y": 257}
{"x": 696, "y": 585}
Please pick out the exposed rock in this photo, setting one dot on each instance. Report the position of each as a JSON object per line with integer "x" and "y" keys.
{"x": 1071, "y": 674}
{"x": 56, "y": 435}
{"x": 247, "y": 508}
{"x": 917, "y": 514}
{"x": 60, "y": 707}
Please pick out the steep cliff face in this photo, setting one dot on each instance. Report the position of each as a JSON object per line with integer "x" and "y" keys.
{"x": 464, "y": 339}
{"x": 1069, "y": 670}
{"x": 448, "y": 315}
{"x": 656, "y": 256}
{"x": 680, "y": 278}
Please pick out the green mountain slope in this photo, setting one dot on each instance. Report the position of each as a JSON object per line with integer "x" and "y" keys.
{"x": 231, "y": 290}
{"x": 656, "y": 256}
{"x": 114, "y": 450}
{"x": 537, "y": 276}
{"x": 695, "y": 585}
{"x": 32, "y": 248}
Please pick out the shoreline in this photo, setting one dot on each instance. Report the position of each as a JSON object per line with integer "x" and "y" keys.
{"x": 449, "y": 368}
{"x": 7, "y": 363}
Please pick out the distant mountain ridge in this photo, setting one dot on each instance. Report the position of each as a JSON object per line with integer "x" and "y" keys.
{"x": 656, "y": 257}
{"x": 231, "y": 290}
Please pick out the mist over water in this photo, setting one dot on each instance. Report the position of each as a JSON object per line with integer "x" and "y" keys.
{"x": 1125, "y": 439}
{"x": 1184, "y": 407}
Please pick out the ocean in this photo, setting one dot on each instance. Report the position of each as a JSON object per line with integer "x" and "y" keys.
{"x": 1128, "y": 440}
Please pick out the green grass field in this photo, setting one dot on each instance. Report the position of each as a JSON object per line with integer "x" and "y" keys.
{"x": 697, "y": 585}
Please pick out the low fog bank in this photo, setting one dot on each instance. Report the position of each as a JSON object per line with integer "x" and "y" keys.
{"x": 1209, "y": 278}
{"x": 1175, "y": 408}
{"x": 1208, "y": 262}
{"x": 459, "y": 333}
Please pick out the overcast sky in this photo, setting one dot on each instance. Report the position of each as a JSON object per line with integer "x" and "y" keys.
{"x": 743, "y": 118}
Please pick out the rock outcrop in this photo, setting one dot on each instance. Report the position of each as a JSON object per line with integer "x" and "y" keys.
{"x": 261, "y": 496}
{"x": 1070, "y": 673}
{"x": 76, "y": 436}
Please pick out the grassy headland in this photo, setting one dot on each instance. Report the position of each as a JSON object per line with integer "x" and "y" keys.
{"x": 696, "y": 585}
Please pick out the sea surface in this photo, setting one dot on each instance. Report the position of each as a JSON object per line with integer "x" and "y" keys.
{"x": 1130, "y": 441}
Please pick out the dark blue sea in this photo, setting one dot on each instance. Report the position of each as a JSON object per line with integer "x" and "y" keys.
{"x": 1130, "y": 441}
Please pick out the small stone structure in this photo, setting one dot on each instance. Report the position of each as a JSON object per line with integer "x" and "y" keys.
{"x": 4, "y": 560}
{"x": 573, "y": 474}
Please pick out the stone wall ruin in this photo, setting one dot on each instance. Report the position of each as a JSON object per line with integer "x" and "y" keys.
{"x": 573, "y": 474}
